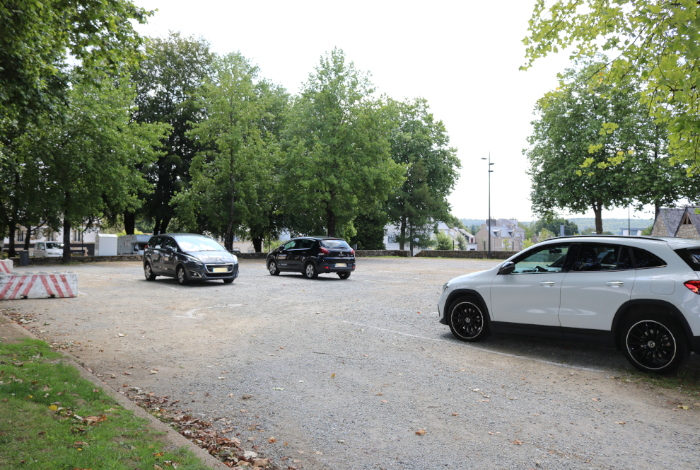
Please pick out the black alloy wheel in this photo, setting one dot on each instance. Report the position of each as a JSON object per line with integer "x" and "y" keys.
{"x": 343, "y": 275}
{"x": 181, "y": 276}
{"x": 310, "y": 271}
{"x": 655, "y": 343}
{"x": 148, "y": 272}
{"x": 467, "y": 321}
{"x": 272, "y": 267}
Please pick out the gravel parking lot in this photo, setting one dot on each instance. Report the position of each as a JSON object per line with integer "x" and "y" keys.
{"x": 343, "y": 373}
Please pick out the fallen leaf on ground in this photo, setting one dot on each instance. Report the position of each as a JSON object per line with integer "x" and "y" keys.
{"x": 620, "y": 422}
{"x": 455, "y": 414}
{"x": 518, "y": 442}
{"x": 272, "y": 440}
{"x": 420, "y": 432}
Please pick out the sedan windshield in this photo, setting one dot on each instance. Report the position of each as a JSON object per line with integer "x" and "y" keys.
{"x": 194, "y": 243}
{"x": 335, "y": 244}
{"x": 54, "y": 246}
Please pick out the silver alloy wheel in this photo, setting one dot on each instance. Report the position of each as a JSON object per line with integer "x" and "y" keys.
{"x": 651, "y": 344}
{"x": 273, "y": 267}
{"x": 148, "y": 272}
{"x": 310, "y": 270}
{"x": 181, "y": 276}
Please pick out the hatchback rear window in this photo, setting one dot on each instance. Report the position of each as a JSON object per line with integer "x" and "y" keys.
{"x": 335, "y": 244}
{"x": 691, "y": 256}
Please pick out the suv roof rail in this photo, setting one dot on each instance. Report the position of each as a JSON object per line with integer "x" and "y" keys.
{"x": 640, "y": 237}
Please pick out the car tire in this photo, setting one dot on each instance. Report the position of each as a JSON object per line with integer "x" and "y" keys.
{"x": 148, "y": 272}
{"x": 181, "y": 276}
{"x": 227, "y": 281}
{"x": 310, "y": 271}
{"x": 343, "y": 275}
{"x": 467, "y": 319}
{"x": 273, "y": 268}
{"x": 654, "y": 342}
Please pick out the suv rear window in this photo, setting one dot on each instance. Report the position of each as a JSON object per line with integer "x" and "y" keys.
{"x": 335, "y": 244}
{"x": 644, "y": 259}
{"x": 691, "y": 256}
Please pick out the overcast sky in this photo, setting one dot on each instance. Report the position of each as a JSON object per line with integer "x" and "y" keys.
{"x": 462, "y": 56}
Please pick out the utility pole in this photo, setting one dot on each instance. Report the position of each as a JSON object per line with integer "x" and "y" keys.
{"x": 489, "y": 221}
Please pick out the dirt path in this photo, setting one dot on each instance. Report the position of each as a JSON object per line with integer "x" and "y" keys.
{"x": 346, "y": 372}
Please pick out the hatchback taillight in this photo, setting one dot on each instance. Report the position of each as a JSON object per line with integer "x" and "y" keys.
{"x": 352, "y": 252}
{"x": 145, "y": 247}
{"x": 693, "y": 285}
{"x": 324, "y": 251}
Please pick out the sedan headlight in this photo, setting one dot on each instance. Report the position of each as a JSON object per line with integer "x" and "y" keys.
{"x": 446, "y": 286}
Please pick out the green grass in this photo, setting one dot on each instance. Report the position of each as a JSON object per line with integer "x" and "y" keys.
{"x": 684, "y": 380}
{"x": 41, "y": 400}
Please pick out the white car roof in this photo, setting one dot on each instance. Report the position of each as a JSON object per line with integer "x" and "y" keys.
{"x": 638, "y": 241}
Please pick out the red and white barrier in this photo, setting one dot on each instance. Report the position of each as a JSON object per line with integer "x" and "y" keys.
{"x": 38, "y": 286}
{"x": 6, "y": 266}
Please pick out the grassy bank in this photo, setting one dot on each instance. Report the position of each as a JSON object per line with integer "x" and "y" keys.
{"x": 51, "y": 418}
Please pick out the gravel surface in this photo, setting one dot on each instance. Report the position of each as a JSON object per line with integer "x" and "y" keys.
{"x": 344, "y": 373}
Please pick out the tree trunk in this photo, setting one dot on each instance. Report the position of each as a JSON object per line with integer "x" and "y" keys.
{"x": 156, "y": 226}
{"x": 402, "y": 241}
{"x": 129, "y": 222}
{"x": 410, "y": 242}
{"x": 27, "y": 238}
{"x": 257, "y": 244}
{"x": 11, "y": 252}
{"x": 330, "y": 221}
{"x": 598, "y": 211}
{"x": 228, "y": 238}
{"x": 164, "y": 224}
{"x": 66, "y": 238}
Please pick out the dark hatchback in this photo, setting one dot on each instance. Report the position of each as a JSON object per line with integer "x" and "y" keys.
{"x": 188, "y": 257}
{"x": 312, "y": 256}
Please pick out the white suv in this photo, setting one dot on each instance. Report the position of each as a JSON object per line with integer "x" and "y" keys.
{"x": 641, "y": 294}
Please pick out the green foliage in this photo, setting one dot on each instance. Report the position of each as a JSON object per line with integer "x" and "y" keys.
{"x": 567, "y": 142}
{"x": 443, "y": 242}
{"x": 553, "y": 226}
{"x": 527, "y": 243}
{"x": 369, "y": 229}
{"x": 461, "y": 242}
{"x": 31, "y": 433}
{"x": 167, "y": 82}
{"x": 654, "y": 40}
{"x": 337, "y": 149}
{"x": 420, "y": 145}
{"x": 647, "y": 231}
{"x": 36, "y": 39}
{"x": 233, "y": 177}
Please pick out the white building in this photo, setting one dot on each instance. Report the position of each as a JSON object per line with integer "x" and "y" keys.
{"x": 81, "y": 239}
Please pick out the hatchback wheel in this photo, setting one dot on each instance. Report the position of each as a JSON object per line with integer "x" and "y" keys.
{"x": 343, "y": 275}
{"x": 182, "y": 276}
{"x": 655, "y": 343}
{"x": 310, "y": 271}
{"x": 272, "y": 267}
{"x": 148, "y": 272}
{"x": 467, "y": 320}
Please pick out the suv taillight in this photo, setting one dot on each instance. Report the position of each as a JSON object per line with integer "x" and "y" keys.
{"x": 324, "y": 251}
{"x": 693, "y": 285}
{"x": 352, "y": 252}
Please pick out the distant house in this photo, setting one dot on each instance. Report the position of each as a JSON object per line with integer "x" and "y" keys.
{"x": 455, "y": 232}
{"x": 677, "y": 223}
{"x": 81, "y": 238}
{"x": 506, "y": 235}
{"x": 635, "y": 232}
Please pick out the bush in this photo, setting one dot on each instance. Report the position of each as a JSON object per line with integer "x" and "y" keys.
{"x": 443, "y": 242}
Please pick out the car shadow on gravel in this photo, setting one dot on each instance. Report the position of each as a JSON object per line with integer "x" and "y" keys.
{"x": 171, "y": 282}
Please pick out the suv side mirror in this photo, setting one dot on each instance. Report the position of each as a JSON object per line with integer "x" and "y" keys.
{"x": 507, "y": 268}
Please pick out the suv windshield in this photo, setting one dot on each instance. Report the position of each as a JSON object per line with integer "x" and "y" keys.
{"x": 194, "y": 243}
{"x": 54, "y": 246}
{"x": 335, "y": 244}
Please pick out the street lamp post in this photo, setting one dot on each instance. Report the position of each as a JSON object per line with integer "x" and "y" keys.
{"x": 489, "y": 221}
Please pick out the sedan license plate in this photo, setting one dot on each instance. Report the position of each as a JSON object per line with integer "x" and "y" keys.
{"x": 220, "y": 270}
{"x": 341, "y": 265}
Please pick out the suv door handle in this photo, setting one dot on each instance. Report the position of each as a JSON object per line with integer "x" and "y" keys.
{"x": 547, "y": 283}
{"x": 615, "y": 283}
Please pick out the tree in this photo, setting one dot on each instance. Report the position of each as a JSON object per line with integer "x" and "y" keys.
{"x": 461, "y": 242}
{"x": 167, "y": 83}
{"x": 369, "y": 227}
{"x": 89, "y": 157}
{"x": 235, "y": 174}
{"x": 443, "y": 241}
{"x": 656, "y": 40}
{"x": 37, "y": 37}
{"x": 567, "y": 142}
{"x": 337, "y": 149}
{"x": 420, "y": 144}
{"x": 554, "y": 226}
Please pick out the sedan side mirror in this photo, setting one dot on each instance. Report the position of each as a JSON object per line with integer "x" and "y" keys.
{"x": 507, "y": 268}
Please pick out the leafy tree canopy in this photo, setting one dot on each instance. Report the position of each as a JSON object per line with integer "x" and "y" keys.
{"x": 655, "y": 40}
